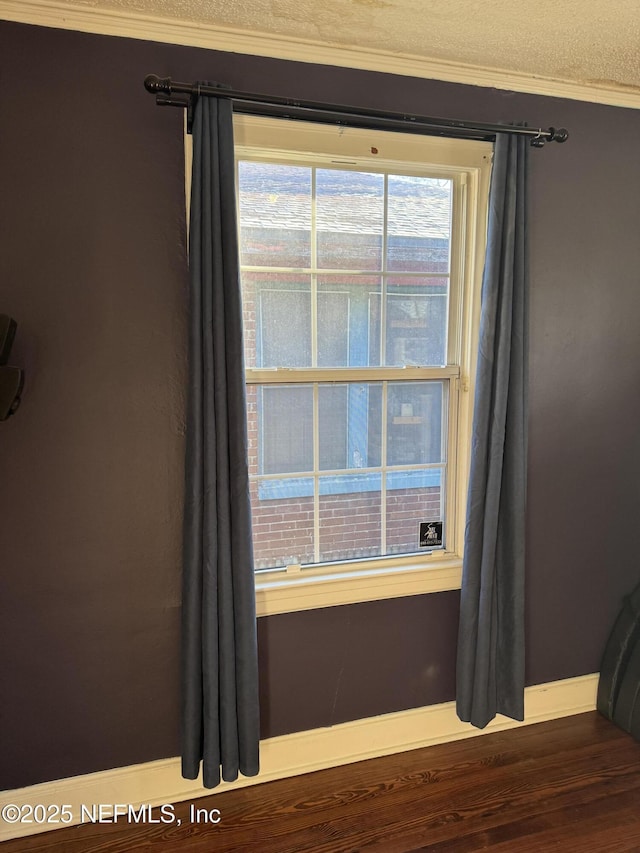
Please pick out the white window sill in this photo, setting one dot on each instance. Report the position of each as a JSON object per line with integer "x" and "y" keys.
{"x": 282, "y": 592}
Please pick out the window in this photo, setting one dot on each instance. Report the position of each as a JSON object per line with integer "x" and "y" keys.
{"x": 360, "y": 256}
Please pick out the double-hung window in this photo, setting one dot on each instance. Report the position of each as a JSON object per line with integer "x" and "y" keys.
{"x": 361, "y": 254}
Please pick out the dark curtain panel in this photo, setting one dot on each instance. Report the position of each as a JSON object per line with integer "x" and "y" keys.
{"x": 490, "y": 670}
{"x": 220, "y": 720}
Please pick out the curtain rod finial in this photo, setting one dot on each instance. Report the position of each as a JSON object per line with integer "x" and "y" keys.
{"x": 559, "y": 134}
{"x": 155, "y": 84}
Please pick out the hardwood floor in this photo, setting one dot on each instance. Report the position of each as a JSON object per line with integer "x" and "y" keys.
{"x": 570, "y": 785}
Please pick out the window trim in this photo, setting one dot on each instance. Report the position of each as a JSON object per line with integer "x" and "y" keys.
{"x": 288, "y": 590}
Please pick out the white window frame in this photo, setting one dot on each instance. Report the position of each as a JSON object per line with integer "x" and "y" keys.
{"x": 468, "y": 163}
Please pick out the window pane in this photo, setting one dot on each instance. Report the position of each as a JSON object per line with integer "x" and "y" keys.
{"x": 413, "y": 497}
{"x": 419, "y": 224}
{"x": 271, "y": 302}
{"x": 369, "y": 412}
{"x": 350, "y": 217}
{"x": 350, "y": 516}
{"x": 414, "y": 423}
{"x": 275, "y": 214}
{"x": 280, "y": 312}
{"x": 332, "y": 426}
{"x": 282, "y": 526}
{"x": 343, "y": 319}
{"x": 415, "y": 324}
{"x": 286, "y": 429}
{"x": 350, "y": 426}
{"x": 252, "y": 396}
{"x": 333, "y": 329}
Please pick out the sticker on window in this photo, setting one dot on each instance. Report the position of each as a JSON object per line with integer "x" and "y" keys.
{"x": 430, "y": 534}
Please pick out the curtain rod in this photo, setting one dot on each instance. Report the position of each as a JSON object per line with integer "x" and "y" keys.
{"x": 271, "y": 105}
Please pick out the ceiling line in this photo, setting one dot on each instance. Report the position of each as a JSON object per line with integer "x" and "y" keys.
{"x": 49, "y": 13}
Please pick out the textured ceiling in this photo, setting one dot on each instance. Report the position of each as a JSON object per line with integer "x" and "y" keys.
{"x": 592, "y": 42}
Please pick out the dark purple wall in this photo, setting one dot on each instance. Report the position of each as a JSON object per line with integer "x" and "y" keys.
{"x": 92, "y": 265}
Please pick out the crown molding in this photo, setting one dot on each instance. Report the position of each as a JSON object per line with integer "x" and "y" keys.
{"x": 48, "y": 13}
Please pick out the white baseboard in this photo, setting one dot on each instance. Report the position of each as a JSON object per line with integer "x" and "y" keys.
{"x": 159, "y": 782}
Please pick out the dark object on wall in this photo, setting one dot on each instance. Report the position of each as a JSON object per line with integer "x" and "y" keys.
{"x": 11, "y": 378}
{"x": 619, "y": 685}
{"x": 7, "y": 334}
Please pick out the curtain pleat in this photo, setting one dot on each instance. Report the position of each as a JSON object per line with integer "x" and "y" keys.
{"x": 220, "y": 712}
{"x": 490, "y": 665}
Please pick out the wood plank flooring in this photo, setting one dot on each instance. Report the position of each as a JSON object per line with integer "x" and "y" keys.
{"x": 570, "y": 785}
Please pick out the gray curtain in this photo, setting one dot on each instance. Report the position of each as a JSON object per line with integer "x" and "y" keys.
{"x": 220, "y": 719}
{"x": 490, "y": 668}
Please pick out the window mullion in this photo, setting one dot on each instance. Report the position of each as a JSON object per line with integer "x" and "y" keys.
{"x": 456, "y": 270}
{"x": 383, "y": 281}
{"x": 316, "y": 475}
{"x": 383, "y": 472}
{"x": 449, "y": 500}
{"x": 383, "y": 361}
{"x": 314, "y": 267}
{"x": 314, "y": 362}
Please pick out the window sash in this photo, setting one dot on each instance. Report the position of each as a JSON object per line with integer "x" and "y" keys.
{"x": 380, "y": 432}
{"x": 289, "y": 376}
